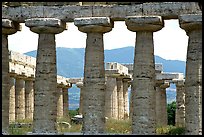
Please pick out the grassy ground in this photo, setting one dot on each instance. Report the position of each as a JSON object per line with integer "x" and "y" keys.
{"x": 111, "y": 126}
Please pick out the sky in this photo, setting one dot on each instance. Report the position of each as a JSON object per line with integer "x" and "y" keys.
{"x": 169, "y": 43}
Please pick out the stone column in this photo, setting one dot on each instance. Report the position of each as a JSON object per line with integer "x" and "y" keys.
{"x": 180, "y": 104}
{"x": 94, "y": 73}
{"x": 12, "y": 100}
{"x": 80, "y": 85}
{"x": 144, "y": 120}
{"x": 125, "y": 97}
{"x": 8, "y": 28}
{"x": 45, "y": 106}
{"x": 161, "y": 104}
{"x": 120, "y": 98}
{"x": 192, "y": 24}
{"x": 29, "y": 98}
{"x": 111, "y": 101}
{"x": 20, "y": 98}
{"x": 65, "y": 102}
{"x": 59, "y": 102}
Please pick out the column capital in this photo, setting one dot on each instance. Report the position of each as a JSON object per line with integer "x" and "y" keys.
{"x": 79, "y": 84}
{"x": 179, "y": 83}
{"x": 10, "y": 27}
{"x": 144, "y": 23}
{"x": 190, "y": 22}
{"x": 94, "y": 24}
{"x": 163, "y": 85}
{"x": 46, "y": 25}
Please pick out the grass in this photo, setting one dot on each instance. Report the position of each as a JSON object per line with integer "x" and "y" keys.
{"x": 111, "y": 126}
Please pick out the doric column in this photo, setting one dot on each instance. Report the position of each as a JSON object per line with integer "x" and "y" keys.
{"x": 29, "y": 98}
{"x": 192, "y": 24}
{"x": 125, "y": 97}
{"x": 20, "y": 98}
{"x": 94, "y": 73}
{"x": 111, "y": 100}
{"x": 59, "y": 102}
{"x": 45, "y": 106}
{"x": 144, "y": 120}
{"x": 12, "y": 100}
{"x": 180, "y": 104}
{"x": 120, "y": 98}
{"x": 8, "y": 28}
{"x": 65, "y": 101}
{"x": 161, "y": 104}
{"x": 80, "y": 85}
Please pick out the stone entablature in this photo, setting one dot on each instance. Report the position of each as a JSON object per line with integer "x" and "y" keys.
{"x": 168, "y": 10}
{"x": 115, "y": 68}
{"x": 23, "y": 65}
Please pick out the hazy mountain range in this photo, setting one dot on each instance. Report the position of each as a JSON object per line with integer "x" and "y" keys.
{"x": 70, "y": 63}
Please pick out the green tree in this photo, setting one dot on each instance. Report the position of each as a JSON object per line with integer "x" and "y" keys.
{"x": 171, "y": 110}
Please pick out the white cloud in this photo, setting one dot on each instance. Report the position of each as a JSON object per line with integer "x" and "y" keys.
{"x": 169, "y": 43}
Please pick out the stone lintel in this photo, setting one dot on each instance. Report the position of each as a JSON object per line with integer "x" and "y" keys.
{"x": 10, "y": 27}
{"x": 46, "y": 25}
{"x": 190, "y": 21}
{"x": 115, "y": 75}
{"x": 144, "y": 23}
{"x": 168, "y": 10}
{"x": 74, "y": 80}
{"x": 169, "y": 76}
{"x": 94, "y": 24}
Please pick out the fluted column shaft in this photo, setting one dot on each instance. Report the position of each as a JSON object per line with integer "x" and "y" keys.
{"x": 192, "y": 24}
{"x": 80, "y": 85}
{"x": 12, "y": 100}
{"x": 120, "y": 98}
{"x": 161, "y": 105}
{"x": 29, "y": 99}
{"x": 65, "y": 102}
{"x": 94, "y": 73}
{"x": 20, "y": 99}
{"x": 8, "y": 28}
{"x": 111, "y": 101}
{"x": 125, "y": 97}
{"x": 180, "y": 104}
{"x": 144, "y": 114}
{"x": 59, "y": 103}
{"x": 45, "y": 106}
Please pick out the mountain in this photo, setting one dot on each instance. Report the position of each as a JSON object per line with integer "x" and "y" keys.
{"x": 70, "y": 63}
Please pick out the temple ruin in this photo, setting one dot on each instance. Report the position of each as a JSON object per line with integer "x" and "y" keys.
{"x": 96, "y": 18}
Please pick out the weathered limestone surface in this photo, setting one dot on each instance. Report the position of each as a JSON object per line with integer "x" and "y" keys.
{"x": 125, "y": 98}
{"x": 168, "y": 10}
{"x": 111, "y": 100}
{"x": 20, "y": 99}
{"x": 180, "y": 103}
{"x": 80, "y": 85}
{"x": 59, "y": 103}
{"x": 94, "y": 75}
{"x": 120, "y": 98}
{"x": 192, "y": 24}
{"x": 8, "y": 28}
{"x": 45, "y": 114}
{"x": 29, "y": 99}
{"x": 65, "y": 102}
{"x": 161, "y": 104}
{"x": 144, "y": 120}
{"x": 12, "y": 100}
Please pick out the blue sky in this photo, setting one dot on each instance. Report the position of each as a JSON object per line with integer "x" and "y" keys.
{"x": 169, "y": 43}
